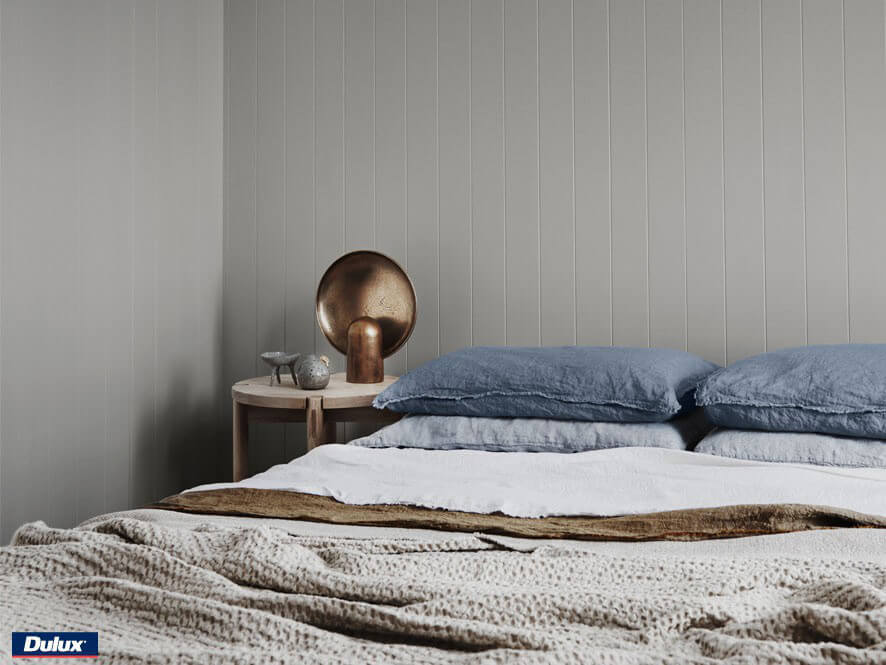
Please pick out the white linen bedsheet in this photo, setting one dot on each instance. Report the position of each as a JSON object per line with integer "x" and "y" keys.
{"x": 618, "y": 481}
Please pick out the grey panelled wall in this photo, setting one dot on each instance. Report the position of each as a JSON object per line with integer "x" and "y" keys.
{"x": 111, "y": 241}
{"x": 699, "y": 174}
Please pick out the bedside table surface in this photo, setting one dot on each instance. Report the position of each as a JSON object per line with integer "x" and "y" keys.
{"x": 339, "y": 394}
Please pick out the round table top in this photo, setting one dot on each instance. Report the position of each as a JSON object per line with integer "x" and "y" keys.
{"x": 339, "y": 394}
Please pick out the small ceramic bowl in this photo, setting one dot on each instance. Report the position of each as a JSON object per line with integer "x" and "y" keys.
{"x": 277, "y": 359}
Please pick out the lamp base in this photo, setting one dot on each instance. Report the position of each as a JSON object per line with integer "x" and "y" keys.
{"x": 365, "y": 362}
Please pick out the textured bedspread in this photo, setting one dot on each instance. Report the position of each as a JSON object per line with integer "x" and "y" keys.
{"x": 216, "y": 594}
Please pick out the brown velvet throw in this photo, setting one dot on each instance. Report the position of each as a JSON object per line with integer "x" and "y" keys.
{"x": 694, "y": 524}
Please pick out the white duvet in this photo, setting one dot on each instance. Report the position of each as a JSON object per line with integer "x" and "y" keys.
{"x": 617, "y": 481}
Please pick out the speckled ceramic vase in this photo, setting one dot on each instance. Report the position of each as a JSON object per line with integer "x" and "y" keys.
{"x": 312, "y": 372}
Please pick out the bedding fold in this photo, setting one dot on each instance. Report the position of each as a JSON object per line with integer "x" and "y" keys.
{"x": 682, "y": 525}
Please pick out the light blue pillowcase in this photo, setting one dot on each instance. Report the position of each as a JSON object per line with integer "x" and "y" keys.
{"x": 838, "y": 389}
{"x": 794, "y": 447}
{"x": 536, "y": 435}
{"x": 593, "y": 383}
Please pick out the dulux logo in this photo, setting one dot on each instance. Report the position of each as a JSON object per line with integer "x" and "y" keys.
{"x": 54, "y": 645}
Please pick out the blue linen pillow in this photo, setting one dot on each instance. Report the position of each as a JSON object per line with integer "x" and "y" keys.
{"x": 838, "y": 389}
{"x": 598, "y": 383}
{"x": 794, "y": 448}
{"x": 535, "y": 435}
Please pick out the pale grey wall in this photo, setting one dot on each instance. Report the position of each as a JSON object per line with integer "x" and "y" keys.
{"x": 693, "y": 174}
{"x": 110, "y": 253}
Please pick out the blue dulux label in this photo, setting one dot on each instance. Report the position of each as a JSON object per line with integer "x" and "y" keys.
{"x": 54, "y": 645}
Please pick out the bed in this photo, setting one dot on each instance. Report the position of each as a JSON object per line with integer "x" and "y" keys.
{"x": 358, "y": 555}
{"x": 534, "y": 505}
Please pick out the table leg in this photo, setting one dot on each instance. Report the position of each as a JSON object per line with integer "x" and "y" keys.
{"x": 241, "y": 441}
{"x": 319, "y": 431}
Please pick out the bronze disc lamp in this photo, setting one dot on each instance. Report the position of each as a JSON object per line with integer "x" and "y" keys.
{"x": 366, "y": 307}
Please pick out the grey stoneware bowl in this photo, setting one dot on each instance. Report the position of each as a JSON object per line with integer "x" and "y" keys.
{"x": 277, "y": 359}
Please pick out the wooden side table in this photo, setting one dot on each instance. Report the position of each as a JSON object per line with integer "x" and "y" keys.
{"x": 257, "y": 402}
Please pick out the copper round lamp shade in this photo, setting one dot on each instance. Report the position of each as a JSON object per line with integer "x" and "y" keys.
{"x": 360, "y": 295}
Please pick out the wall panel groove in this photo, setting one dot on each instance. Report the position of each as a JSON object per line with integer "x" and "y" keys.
{"x": 521, "y": 173}
{"x": 865, "y": 72}
{"x": 743, "y": 179}
{"x": 783, "y": 154}
{"x": 825, "y": 194}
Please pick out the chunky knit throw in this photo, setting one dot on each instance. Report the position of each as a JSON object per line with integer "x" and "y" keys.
{"x": 257, "y": 595}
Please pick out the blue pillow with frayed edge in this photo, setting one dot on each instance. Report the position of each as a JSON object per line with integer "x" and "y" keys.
{"x": 829, "y": 389}
{"x": 537, "y": 435}
{"x": 592, "y": 383}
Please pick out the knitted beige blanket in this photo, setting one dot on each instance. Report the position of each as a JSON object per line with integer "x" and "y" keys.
{"x": 257, "y": 595}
